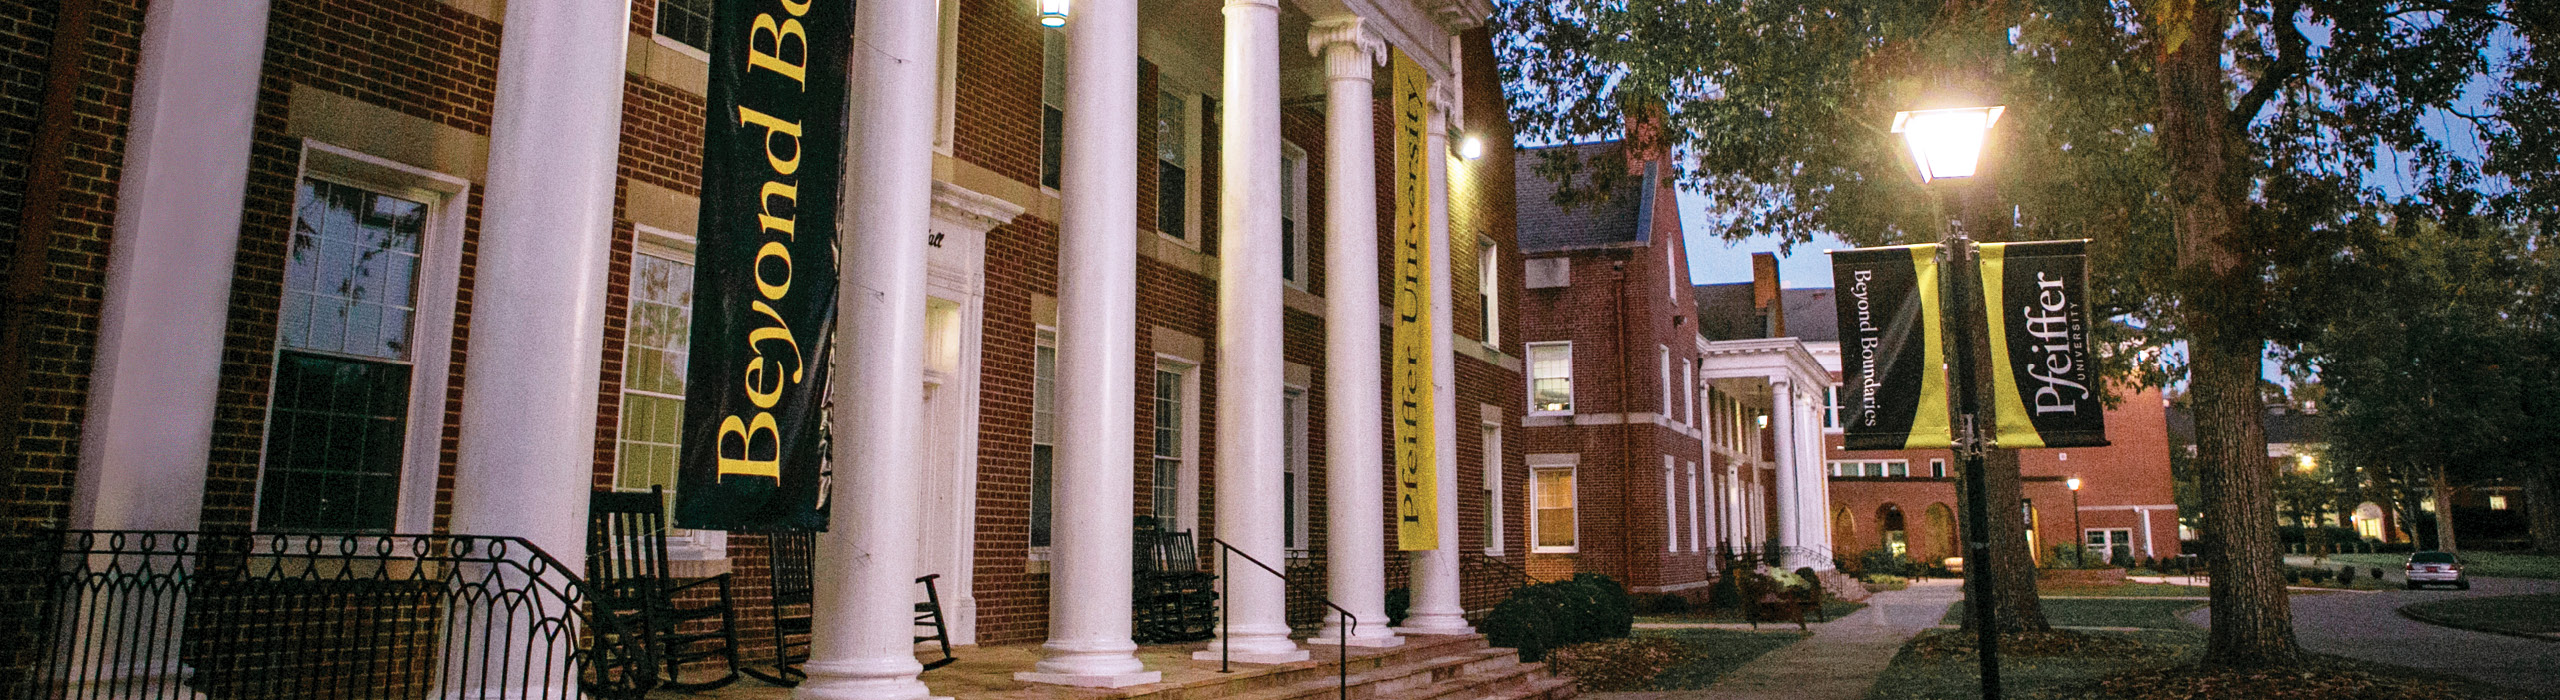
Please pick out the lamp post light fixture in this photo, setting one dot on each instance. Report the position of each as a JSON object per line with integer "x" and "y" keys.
{"x": 1053, "y": 13}
{"x": 2074, "y": 483}
{"x": 1946, "y": 144}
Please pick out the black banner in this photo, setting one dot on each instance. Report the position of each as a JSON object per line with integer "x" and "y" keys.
{"x": 2036, "y": 297}
{"x": 1893, "y": 393}
{"x": 764, "y": 311}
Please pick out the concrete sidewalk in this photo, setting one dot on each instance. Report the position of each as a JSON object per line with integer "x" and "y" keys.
{"x": 1840, "y": 661}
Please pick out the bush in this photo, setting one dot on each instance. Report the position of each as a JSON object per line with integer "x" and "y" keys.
{"x": 1399, "y": 601}
{"x": 2316, "y": 576}
{"x": 2292, "y": 575}
{"x": 1726, "y": 592}
{"x": 2347, "y": 577}
{"x": 2375, "y": 573}
{"x": 1885, "y": 582}
{"x": 2070, "y": 555}
{"x": 1660, "y": 604}
{"x": 1542, "y": 617}
{"x": 1878, "y": 561}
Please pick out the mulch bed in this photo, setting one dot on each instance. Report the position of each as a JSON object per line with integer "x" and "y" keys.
{"x": 1948, "y": 644}
{"x": 1618, "y": 664}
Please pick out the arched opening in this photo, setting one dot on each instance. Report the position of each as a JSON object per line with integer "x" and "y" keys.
{"x": 2367, "y": 520}
{"x": 1844, "y": 532}
{"x": 1892, "y": 536}
{"x": 1940, "y": 537}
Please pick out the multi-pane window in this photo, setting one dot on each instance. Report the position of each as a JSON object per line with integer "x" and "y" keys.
{"x": 1892, "y": 467}
{"x": 653, "y": 363}
{"x": 1164, "y": 492}
{"x": 1173, "y": 156}
{"x": 1938, "y": 468}
{"x": 1044, "y": 434}
{"x": 1551, "y": 377}
{"x": 1493, "y": 525}
{"x": 339, "y": 416}
{"x": 1831, "y": 407}
{"x": 1053, "y": 105}
{"x": 688, "y": 22}
{"x": 1293, "y": 215}
{"x": 1293, "y": 470}
{"x": 1551, "y": 496}
{"x": 1489, "y": 293}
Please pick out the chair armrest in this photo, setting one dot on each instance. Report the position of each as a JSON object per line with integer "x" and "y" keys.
{"x": 722, "y": 579}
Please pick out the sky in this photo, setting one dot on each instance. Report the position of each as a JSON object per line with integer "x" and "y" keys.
{"x": 1712, "y": 260}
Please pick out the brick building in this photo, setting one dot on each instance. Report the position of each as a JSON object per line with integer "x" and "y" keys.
{"x": 269, "y": 207}
{"x": 1649, "y": 448}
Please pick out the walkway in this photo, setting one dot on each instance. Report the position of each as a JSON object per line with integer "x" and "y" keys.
{"x": 2370, "y": 627}
{"x": 1840, "y": 661}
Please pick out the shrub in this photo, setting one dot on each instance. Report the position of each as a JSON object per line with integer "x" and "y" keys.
{"x": 2347, "y": 577}
{"x": 1878, "y": 561}
{"x": 1399, "y": 600}
{"x": 2316, "y": 576}
{"x": 1538, "y": 618}
{"x": 2375, "y": 573}
{"x": 1660, "y": 604}
{"x": 1726, "y": 592}
{"x": 2292, "y": 575}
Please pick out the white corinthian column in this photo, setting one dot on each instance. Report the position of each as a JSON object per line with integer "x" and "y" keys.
{"x": 1249, "y": 370}
{"x": 1089, "y": 582}
{"x": 1355, "y": 564}
{"x": 1436, "y": 605}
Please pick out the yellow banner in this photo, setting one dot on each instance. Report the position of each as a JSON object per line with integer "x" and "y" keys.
{"x": 1417, "y": 486}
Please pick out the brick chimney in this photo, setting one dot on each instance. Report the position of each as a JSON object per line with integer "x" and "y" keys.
{"x": 1765, "y": 298}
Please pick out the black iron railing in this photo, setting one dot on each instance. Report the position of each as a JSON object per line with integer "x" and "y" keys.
{"x": 1773, "y": 556}
{"x": 1342, "y": 646}
{"x": 171, "y": 614}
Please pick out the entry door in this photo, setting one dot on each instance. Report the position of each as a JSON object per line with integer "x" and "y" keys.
{"x": 2108, "y": 541}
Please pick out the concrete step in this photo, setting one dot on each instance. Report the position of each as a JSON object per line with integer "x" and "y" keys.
{"x": 1320, "y": 666}
{"x": 1419, "y": 680}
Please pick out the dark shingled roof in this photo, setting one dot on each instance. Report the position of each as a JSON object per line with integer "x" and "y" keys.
{"x": 1725, "y": 313}
{"x": 1546, "y": 226}
{"x": 1812, "y": 314}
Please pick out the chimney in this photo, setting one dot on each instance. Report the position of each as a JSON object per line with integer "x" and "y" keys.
{"x": 1765, "y": 295}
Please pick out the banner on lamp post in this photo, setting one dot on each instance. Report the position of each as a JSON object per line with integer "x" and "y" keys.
{"x": 1893, "y": 392}
{"x": 753, "y": 453}
{"x": 2035, "y": 297}
{"x": 1417, "y": 484}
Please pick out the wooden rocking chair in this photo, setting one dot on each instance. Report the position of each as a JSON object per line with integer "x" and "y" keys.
{"x": 794, "y": 561}
{"x": 627, "y": 565}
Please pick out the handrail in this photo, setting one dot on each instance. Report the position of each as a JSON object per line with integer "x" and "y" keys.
{"x": 1342, "y": 645}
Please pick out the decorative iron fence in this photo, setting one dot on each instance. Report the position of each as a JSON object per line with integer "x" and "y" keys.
{"x": 166, "y": 614}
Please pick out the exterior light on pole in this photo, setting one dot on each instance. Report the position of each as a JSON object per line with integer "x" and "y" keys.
{"x": 1946, "y": 143}
{"x": 2074, "y": 483}
{"x": 1053, "y": 13}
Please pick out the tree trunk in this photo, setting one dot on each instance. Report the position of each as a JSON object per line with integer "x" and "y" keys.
{"x": 2221, "y": 289}
{"x": 2442, "y": 493}
{"x": 2019, "y": 610}
{"x": 2539, "y": 509}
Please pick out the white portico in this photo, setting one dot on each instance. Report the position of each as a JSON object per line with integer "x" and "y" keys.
{"x": 1780, "y": 379}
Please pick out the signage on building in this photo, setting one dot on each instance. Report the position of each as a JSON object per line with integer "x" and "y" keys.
{"x": 1417, "y": 485}
{"x": 1893, "y": 392}
{"x": 764, "y": 313}
{"x": 2035, "y": 296}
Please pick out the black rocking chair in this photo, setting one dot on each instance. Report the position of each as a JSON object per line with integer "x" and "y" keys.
{"x": 627, "y": 565}
{"x": 1172, "y": 599}
{"x": 794, "y": 559}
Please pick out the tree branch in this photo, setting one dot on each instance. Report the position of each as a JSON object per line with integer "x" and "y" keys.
{"x": 2291, "y": 50}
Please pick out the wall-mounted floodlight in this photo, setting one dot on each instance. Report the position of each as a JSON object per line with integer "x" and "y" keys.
{"x": 1946, "y": 143}
{"x": 1471, "y": 148}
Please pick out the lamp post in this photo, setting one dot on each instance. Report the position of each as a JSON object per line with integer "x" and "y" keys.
{"x": 1946, "y": 144}
{"x": 2083, "y": 559}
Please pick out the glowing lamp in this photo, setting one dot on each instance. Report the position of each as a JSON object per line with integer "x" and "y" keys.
{"x": 1053, "y": 13}
{"x": 1471, "y": 148}
{"x": 1946, "y": 143}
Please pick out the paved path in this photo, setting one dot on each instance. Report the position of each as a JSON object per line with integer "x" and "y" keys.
{"x": 2370, "y": 627}
{"x": 1840, "y": 661}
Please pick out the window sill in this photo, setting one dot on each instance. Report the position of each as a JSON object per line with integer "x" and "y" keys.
{"x": 1577, "y": 549}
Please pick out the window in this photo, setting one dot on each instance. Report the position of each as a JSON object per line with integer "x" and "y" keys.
{"x": 1670, "y": 505}
{"x": 1689, "y": 394}
{"x": 1164, "y": 492}
{"x": 1894, "y": 468}
{"x": 1053, "y": 105}
{"x": 1044, "y": 435}
{"x": 1493, "y": 525}
{"x": 338, "y": 420}
{"x": 653, "y": 363}
{"x": 1293, "y": 215}
{"x": 2497, "y": 503}
{"x": 1697, "y": 510}
{"x": 1552, "y": 493}
{"x": 1665, "y": 365}
{"x": 688, "y": 22}
{"x": 1831, "y": 407}
{"x": 1550, "y": 378}
{"x": 1938, "y": 468}
{"x": 1293, "y": 464}
{"x": 1173, "y": 155}
{"x": 1489, "y": 293}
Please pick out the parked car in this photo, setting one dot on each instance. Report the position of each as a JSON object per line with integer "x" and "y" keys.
{"x": 2435, "y": 567}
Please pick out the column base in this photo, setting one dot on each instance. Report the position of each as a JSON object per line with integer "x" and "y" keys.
{"x": 851, "y": 682}
{"x": 1114, "y": 666}
{"x": 1436, "y": 625}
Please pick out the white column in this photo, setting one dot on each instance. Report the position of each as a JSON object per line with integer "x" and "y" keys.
{"x": 1089, "y": 586}
{"x": 1249, "y": 365}
{"x": 1436, "y": 607}
{"x": 148, "y": 429}
{"x": 1790, "y": 500}
{"x": 2145, "y": 513}
{"x": 1816, "y": 484}
{"x": 861, "y": 646}
{"x": 1355, "y": 564}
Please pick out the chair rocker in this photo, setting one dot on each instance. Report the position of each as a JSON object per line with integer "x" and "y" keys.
{"x": 679, "y": 621}
{"x": 794, "y": 561}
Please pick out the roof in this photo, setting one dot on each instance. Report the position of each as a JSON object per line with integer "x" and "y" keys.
{"x": 1625, "y": 219}
{"x": 1812, "y": 314}
{"x": 1725, "y": 312}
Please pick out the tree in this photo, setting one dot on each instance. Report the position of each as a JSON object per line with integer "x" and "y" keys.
{"x": 2209, "y": 147}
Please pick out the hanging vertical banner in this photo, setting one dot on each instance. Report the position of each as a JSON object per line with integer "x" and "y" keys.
{"x": 754, "y": 450}
{"x": 1417, "y": 486}
{"x": 2036, "y": 297}
{"x": 1893, "y": 393}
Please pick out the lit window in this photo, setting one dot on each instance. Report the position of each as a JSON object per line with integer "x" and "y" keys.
{"x": 1551, "y": 377}
{"x": 653, "y": 361}
{"x": 1552, "y": 491}
{"x": 2497, "y": 503}
{"x": 688, "y": 22}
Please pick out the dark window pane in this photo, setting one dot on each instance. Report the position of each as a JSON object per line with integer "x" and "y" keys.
{"x": 686, "y": 21}
{"x": 1053, "y": 126}
{"x": 1041, "y": 478}
{"x": 334, "y": 444}
{"x": 1169, "y": 199}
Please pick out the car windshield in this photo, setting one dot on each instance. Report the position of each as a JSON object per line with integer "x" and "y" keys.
{"x": 2431, "y": 558}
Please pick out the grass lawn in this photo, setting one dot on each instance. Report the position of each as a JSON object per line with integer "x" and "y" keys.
{"x": 2515, "y": 614}
{"x": 1719, "y": 652}
{"x": 2474, "y": 563}
{"x": 1832, "y": 609}
{"x": 2125, "y": 590}
{"x": 2128, "y": 612}
{"x": 2167, "y": 665}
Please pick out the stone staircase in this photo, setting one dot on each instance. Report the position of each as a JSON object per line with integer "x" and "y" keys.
{"x": 1425, "y": 668}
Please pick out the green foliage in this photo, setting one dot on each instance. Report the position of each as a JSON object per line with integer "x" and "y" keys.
{"x": 1881, "y": 561}
{"x": 1726, "y": 592}
{"x": 2347, "y": 577}
{"x": 1399, "y": 602}
{"x": 1660, "y": 604}
{"x": 2073, "y": 555}
{"x": 1542, "y": 617}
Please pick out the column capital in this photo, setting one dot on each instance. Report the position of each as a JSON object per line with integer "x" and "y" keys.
{"x": 1352, "y": 32}
{"x": 1443, "y": 99}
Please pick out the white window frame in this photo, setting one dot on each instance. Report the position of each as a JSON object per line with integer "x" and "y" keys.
{"x": 1044, "y": 336}
{"x": 1192, "y": 119}
{"x": 1186, "y": 488}
{"x": 438, "y": 280}
{"x": 1665, "y": 365}
{"x": 1295, "y": 401}
{"x": 1293, "y": 205}
{"x": 1489, "y": 292}
{"x": 1831, "y": 409}
{"x": 1053, "y": 54}
{"x": 1938, "y": 468}
{"x": 658, "y": 13}
{"x": 682, "y": 544}
{"x": 1670, "y": 504}
{"x": 1697, "y": 510}
{"x": 946, "y": 77}
{"x": 1570, "y": 464}
{"x": 1496, "y": 528}
{"x": 1689, "y": 394}
{"x": 1531, "y": 353}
